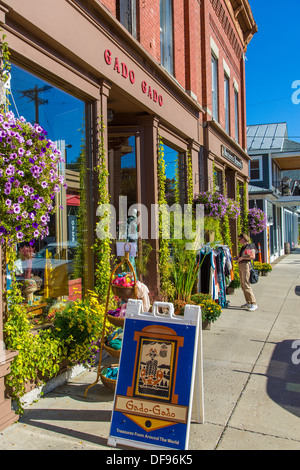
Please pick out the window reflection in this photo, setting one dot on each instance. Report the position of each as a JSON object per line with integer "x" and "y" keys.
{"x": 52, "y": 269}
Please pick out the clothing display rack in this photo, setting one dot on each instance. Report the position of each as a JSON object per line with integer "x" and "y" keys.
{"x": 216, "y": 272}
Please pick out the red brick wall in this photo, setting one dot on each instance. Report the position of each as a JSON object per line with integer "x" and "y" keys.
{"x": 194, "y": 23}
{"x": 149, "y": 27}
{"x": 110, "y": 5}
{"x": 218, "y": 24}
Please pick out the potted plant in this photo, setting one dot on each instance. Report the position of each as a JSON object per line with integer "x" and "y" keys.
{"x": 266, "y": 268}
{"x": 236, "y": 283}
{"x": 258, "y": 266}
{"x": 209, "y": 308}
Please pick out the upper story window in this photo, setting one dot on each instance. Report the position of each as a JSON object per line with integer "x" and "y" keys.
{"x": 127, "y": 15}
{"x": 276, "y": 176}
{"x": 236, "y": 112}
{"x": 214, "y": 82}
{"x": 166, "y": 35}
{"x": 226, "y": 103}
{"x": 256, "y": 169}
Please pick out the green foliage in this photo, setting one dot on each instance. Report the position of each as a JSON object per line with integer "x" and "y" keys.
{"x": 245, "y": 223}
{"x": 82, "y": 216}
{"x": 190, "y": 186}
{"x": 239, "y": 219}
{"x": 236, "y": 283}
{"x": 184, "y": 270}
{"x": 209, "y": 308}
{"x": 78, "y": 327}
{"x": 102, "y": 247}
{"x": 39, "y": 355}
{"x": 167, "y": 288}
{"x": 266, "y": 267}
{"x": 142, "y": 259}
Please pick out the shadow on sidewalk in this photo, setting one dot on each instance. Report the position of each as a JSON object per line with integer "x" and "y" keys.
{"x": 283, "y": 374}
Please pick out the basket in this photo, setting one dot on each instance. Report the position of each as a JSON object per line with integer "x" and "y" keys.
{"x": 109, "y": 383}
{"x": 123, "y": 292}
{"x": 117, "y": 321}
{"x": 111, "y": 351}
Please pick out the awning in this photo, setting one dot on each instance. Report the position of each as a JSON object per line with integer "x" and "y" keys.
{"x": 73, "y": 200}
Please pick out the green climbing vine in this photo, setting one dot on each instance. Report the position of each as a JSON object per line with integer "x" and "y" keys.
{"x": 102, "y": 245}
{"x": 245, "y": 223}
{"x": 167, "y": 288}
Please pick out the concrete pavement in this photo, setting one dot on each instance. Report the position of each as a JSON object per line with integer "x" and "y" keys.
{"x": 251, "y": 382}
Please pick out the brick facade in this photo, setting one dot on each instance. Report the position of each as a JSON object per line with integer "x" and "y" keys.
{"x": 195, "y": 25}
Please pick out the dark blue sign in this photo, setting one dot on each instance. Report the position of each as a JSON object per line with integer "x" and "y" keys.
{"x": 153, "y": 393}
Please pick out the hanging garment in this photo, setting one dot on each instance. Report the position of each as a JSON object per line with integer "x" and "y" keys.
{"x": 220, "y": 263}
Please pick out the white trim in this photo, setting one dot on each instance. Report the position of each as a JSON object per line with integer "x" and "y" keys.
{"x": 235, "y": 85}
{"x": 259, "y": 158}
{"x": 214, "y": 48}
{"x": 226, "y": 68}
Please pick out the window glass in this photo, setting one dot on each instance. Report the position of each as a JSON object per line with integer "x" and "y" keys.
{"x": 54, "y": 266}
{"x": 215, "y": 98}
{"x": 226, "y": 102}
{"x": 122, "y": 175}
{"x": 236, "y": 110}
{"x": 166, "y": 34}
{"x": 254, "y": 170}
{"x": 127, "y": 15}
{"x": 218, "y": 181}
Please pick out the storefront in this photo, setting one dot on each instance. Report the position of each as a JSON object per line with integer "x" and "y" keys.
{"x": 226, "y": 168}
{"x": 76, "y": 69}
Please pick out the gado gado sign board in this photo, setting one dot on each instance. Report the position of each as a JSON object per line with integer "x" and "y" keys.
{"x": 153, "y": 398}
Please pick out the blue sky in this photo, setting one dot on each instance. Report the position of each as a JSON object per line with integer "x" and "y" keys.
{"x": 273, "y": 64}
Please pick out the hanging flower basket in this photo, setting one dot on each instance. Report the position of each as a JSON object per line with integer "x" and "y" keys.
{"x": 257, "y": 221}
{"x": 29, "y": 180}
{"x": 216, "y": 205}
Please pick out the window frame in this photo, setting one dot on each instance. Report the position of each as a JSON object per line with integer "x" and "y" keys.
{"x": 127, "y": 14}
{"x": 260, "y": 169}
{"x": 236, "y": 115}
{"x": 227, "y": 102}
{"x": 166, "y": 35}
{"x": 215, "y": 85}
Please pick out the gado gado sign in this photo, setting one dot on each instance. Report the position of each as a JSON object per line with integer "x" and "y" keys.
{"x": 122, "y": 69}
{"x": 155, "y": 382}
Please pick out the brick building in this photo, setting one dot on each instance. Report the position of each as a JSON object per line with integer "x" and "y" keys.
{"x": 149, "y": 68}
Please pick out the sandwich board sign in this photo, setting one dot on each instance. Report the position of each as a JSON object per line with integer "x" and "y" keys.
{"x": 159, "y": 365}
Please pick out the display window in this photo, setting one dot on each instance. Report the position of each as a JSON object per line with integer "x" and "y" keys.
{"x": 51, "y": 270}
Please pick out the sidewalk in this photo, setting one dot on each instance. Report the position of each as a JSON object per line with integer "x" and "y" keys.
{"x": 251, "y": 382}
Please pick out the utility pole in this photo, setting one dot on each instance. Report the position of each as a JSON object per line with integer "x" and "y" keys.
{"x": 33, "y": 95}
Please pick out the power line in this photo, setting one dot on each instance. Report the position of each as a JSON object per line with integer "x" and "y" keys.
{"x": 33, "y": 95}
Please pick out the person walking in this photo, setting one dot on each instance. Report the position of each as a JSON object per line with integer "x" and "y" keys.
{"x": 246, "y": 255}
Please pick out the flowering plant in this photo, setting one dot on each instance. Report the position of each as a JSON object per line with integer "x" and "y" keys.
{"x": 209, "y": 308}
{"x": 29, "y": 179}
{"x": 216, "y": 205}
{"x": 257, "y": 221}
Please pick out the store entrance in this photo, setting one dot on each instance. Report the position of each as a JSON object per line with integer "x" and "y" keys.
{"x": 122, "y": 175}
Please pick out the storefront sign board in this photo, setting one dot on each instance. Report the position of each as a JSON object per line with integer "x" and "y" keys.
{"x": 154, "y": 393}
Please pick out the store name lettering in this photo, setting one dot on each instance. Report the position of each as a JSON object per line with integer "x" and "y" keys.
{"x": 121, "y": 68}
{"x": 155, "y": 410}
